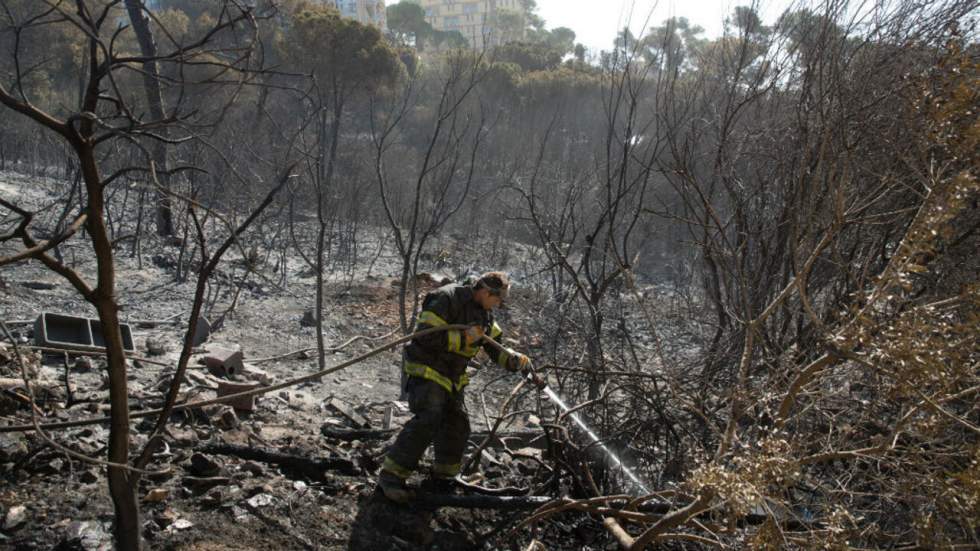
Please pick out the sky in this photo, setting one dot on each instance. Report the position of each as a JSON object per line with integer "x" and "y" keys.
{"x": 596, "y": 22}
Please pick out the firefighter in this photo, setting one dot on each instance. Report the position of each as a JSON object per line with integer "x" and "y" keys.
{"x": 435, "y": 366}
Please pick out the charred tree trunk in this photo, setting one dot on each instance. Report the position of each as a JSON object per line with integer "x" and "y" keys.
{"x": 122, "y": 481}
{"x": 324, "y": 179}
{"x": 154, "y": 100}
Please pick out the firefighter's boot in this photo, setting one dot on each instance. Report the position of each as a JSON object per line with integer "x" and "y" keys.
{"x": 440, "y": 485}
{"x": 394, "y": 488}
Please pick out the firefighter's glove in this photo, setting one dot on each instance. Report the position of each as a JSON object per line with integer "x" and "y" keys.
{"x": 518, "y": 362}
{"x": 473, "y": 335}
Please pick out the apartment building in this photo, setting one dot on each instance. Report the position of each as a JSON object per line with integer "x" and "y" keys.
{"x": 475, "y": 19}
{"x": 369, "y": 12}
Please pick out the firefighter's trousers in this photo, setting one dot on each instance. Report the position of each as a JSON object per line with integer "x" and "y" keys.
{"x": 441, "y": 420}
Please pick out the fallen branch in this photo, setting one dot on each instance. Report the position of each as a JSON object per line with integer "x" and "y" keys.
{"x": 349, "y": 435}
{"x": 337, "y": 348}
{"x": 674, "y": 519}
{"x": 312, "y": 468}
{"x": 16, "y": 396}
{"x": 547, "y": 506}
{"x": 616, "y": 529}
{"x": 484, "y": 490}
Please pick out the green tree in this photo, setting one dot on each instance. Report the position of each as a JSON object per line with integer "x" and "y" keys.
{"x": 562, "y": 40}
{"x": 808, "y": 32}
{"x": 746, "y": 19}
{"x": 407, "y": 24}
{"x": 533, "y": 23}
{"x": 671, "y": 44}
{"x": 530, "y": 56}
{"x": 54, "y": 80}
{"x": 343, "y": 59}
{"x": 448, "y": 39}
{"x": 625, "y": 47}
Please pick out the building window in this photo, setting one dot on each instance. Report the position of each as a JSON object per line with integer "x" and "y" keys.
{"x": 470, "y": 8}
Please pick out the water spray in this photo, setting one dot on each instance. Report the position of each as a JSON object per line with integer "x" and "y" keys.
{"x": 532, "y": 376}
{"x": 553, "y": 396}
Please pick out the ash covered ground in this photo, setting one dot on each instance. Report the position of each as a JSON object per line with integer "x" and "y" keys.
{"x": 199, "y": 498}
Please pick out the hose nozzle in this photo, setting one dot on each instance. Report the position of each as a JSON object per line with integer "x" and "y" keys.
{"x": 534, "y": 378}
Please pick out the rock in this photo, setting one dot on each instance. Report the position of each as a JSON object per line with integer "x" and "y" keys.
{"x": 182, "y": 524}
{"x": 202, "y": 331}
{"x": 254, "y": 468}
{"x": 245, "y": 403}
{"x": 83, "y": 364}
{"x": 309, "y": 319}
{"x": 202, "y": 465}
{"x": 258, "y": 375}
{"x": 156, "y": 347}
{"x": 301, "y": 402}
{"x": 260, "y": 500}
{"x": 239, "y": 513}
{"x": 227, "y": 419}
{"x": 88, "y": 477}
{"x": 163, "y": 260}
{"x": 156, "y": 495}
{"x": 14, "y": 517}
{"x": 200, "y": 484}
{"x": 38, "y": 285}
{"x": 224, "y": 362}
{"x": 213, "y": 498}
{"x": 184, "y": 438}
{"x": 13, "y": 446}
{"x": 51, "y": 467}
{"x": 89, "y": 535}
{"x": 166, "y": 517}
{"x": 355, "y": 418}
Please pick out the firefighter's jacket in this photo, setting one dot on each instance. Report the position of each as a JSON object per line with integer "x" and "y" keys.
{"x": 442, "y": 356}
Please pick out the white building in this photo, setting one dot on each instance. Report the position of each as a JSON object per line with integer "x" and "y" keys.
{"x": 476, "y": 20}
{"x": 369, "y": 12}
